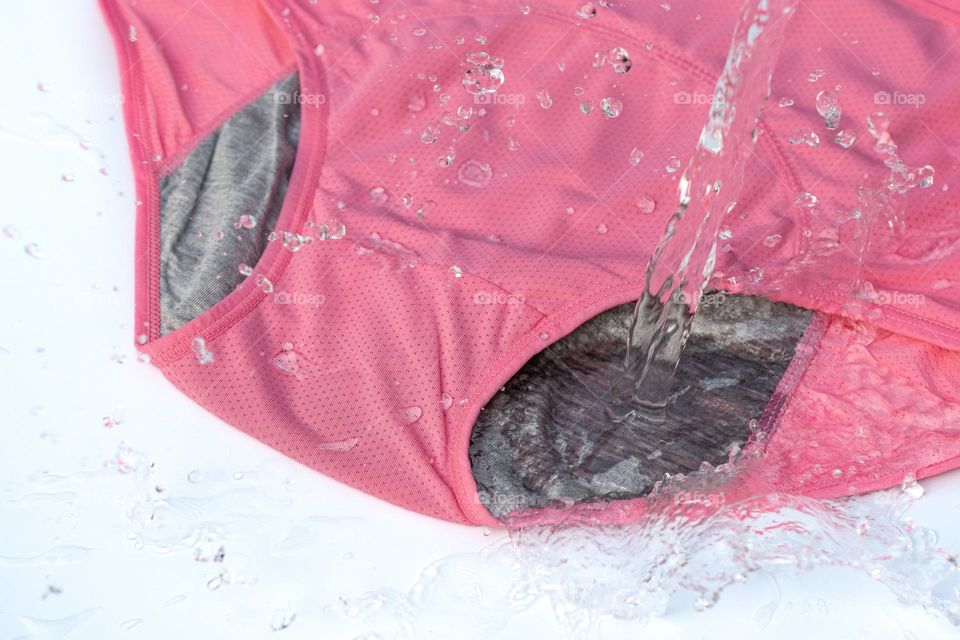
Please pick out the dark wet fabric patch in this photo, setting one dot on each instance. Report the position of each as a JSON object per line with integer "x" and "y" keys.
{"x": 544, "y": 436}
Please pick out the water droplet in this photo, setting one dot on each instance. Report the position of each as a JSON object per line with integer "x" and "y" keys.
{"x": 636, "y": 156}
{"x": 475, "y": 173}
{"x": 809, "y": 138}
{"x": 673, "y": 164}
{"x": 264, "y": 284}
{"x": 544, "y": 336}
{"x": 544, "y": 99}
{"x": 33, "y": 250}
{"x": 845, "y": 138}
{"x": 806, "y": 200}
{"x": 200, "y": 351}
{"x": 587, "y": 11}
{"x": 294, "y": 241}
{"x": 318, "y": 50}
{"x": 586, "y": 107}
{"x": 247, "y": 222}
{"x": 331, "y": 230}
{"x": 339, "y": 445}
{"x": 411, "y": 414}
{"x": 611, "y": 107}
{"x": 446, "y": 401}
{"x": 786, "y": 102}
{"x": 68, "y": 177}
{"x": 513, "y": 144}
{"x": 601, "y": 228}
{"x": 430, "y": 133}
{"x": 620, "y": 60}
{"x": 288, "y": 361}
{"x": 245, "y": 269}
{"x": 11, "y": 231}
{"x": 428, "y": 206}
{"x": 829, "y": 107}
{"x": 646, "y": 204}
{"x": 132, "y": 33}
{"x": 772, "y": 240}
{"x": 378, "y": 195}
{"x": 406, "y": 200}
{"x": 816, "y": 75}
{"x": 283, "y": 618}
{"x": 419, "y": 31}
{"x": 725, "y": 233}
{"x": 484, "y": 75}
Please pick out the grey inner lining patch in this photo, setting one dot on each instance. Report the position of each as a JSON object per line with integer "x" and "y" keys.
{"x": 243, "y": 168}
{"x": 542, "y": 438}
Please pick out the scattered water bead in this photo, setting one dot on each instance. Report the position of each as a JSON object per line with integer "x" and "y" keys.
{"x": 33, "y": 250}
{"x": 673, "y": 164}
{"x": 446, "y": 160}
{"x": 725, "y": 233}
{"x": 456, "y": 271}
{"x": 586, "y": 107}
{"x": 578, "y": 91}
{"x": 419, "y": 32}
{"x": 264, "y": 284}
{"x": 786, "y": 102}
{"x": 587, "y": 11}
{"x": 294, "y": 241}
{"x": 475, "y": 173}
{"x": 646, "y": 204}
{"x": 406, "y": 200}
{"x": 246, "y": 222}
{"x": 809, "y": 138}
{"x": 332, "y": 230}
{"x": 288, "y": 361}
{"x": 411, "y": 414}
{"x": 601, "y": 228}
{"x": 925, "y": 176}
{"x": 426, "y": 207}
{"x": 484, "y": 76}
{"x": 636, "y": 156}
{"x": 430, "y": 133}
{"x": 446, "y": 401}
{"x": 200, "y": 352}
{"x": 829, "y": 107}
{"x": 245, "y": 269}
{"x": 806, "y": 200}
{"x": 755, "y": 275}
{"x": 465, "y": 111}
{"x": 611, "y": 107}
{"x": 845, "y": 138}
{"x": 525, "y": 9}
{"x": 513, "y": 144}
{"x": 338, "y": 445}
{"x": 378, "y": 195}
{"x": 816, "y": 75}
{"x": 772, "y": 240}
{"x": 620, "y": 60}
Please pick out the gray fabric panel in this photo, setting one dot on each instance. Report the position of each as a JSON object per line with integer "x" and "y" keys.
{"x": 242, "y": 168}
{"x": 544, "y": 436}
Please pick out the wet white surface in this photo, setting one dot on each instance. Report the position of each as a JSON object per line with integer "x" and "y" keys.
{"x": 117, "y": 532}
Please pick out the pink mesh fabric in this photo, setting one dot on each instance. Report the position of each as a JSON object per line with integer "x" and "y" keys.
{"x": 424, "y": 318}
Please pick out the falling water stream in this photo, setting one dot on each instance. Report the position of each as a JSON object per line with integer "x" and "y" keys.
{"x": 685, "y": 257}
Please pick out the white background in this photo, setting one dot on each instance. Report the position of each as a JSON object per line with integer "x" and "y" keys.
{"x": 109, "y": 532}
